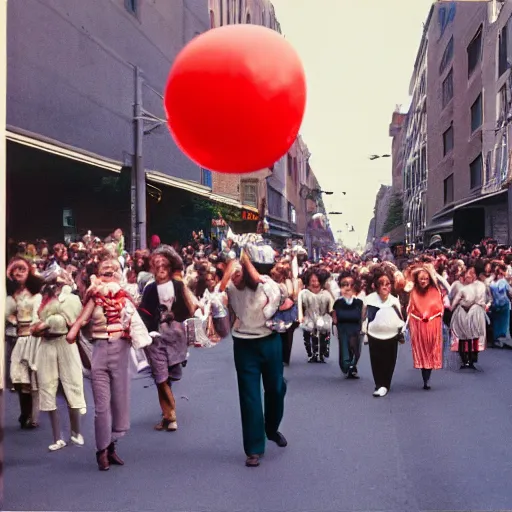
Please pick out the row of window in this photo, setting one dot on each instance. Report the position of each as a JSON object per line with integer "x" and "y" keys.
{"x": 475, "y": 179}
{"x": 234, "y": 13}
{"x": 474, "y": 51}
{"x": 476, "y": 123}
{"x": 275, "y": 205}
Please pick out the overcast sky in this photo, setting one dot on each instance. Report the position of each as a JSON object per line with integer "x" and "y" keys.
{"x": 358, "y": 57}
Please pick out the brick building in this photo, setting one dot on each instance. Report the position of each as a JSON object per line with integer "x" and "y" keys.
{"x": 281, "y": 185}
{"x": 454, "y": 140}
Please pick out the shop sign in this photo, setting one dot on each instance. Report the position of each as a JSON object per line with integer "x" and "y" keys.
{"x": 247, "y": 215}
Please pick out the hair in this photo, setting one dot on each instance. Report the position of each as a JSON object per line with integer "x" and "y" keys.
{"x": 380, "y": 272}
{"x": 281, "y": 272}
{"x": 321, "y": 275}
{"x": 347, "y": 274}
{"x": 175, "y": 262}
{"x": 500, "y": 266}
{"x": 144, "y": 256}
{"x": 34, "y": 283}
{"x": 417, "y": 272}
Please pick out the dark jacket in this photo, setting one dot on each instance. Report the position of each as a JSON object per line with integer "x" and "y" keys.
{"x": 149, "y": 307}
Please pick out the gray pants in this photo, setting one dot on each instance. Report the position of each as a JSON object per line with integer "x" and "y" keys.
{"x": 110, "y": 379}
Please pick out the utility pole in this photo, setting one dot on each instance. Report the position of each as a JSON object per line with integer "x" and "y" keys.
{"x": 138, "y": 193}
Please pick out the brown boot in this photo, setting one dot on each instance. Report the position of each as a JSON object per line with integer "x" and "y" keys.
{"x": 113, "y": 458}
{"x": 102, "y": 459}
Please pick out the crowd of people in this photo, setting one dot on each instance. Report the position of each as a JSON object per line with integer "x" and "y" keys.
{"x": 92, "y": 309}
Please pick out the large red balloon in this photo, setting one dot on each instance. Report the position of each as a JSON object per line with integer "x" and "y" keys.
{"x": 235, "y": 98}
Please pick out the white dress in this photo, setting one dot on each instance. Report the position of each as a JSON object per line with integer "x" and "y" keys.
{"x": 23, "y": 357}
{"x": 57, "y": 360}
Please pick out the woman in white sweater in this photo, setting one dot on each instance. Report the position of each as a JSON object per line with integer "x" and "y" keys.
{"x": 383, "y": 324}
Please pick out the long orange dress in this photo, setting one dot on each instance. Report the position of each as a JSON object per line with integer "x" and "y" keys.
{"x": 426, "y": 328}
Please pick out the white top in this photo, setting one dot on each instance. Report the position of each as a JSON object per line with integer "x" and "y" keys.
{"x": 384, "y": 323}
{"x": 253, "y": 309}
{"x": 166, "y": 294}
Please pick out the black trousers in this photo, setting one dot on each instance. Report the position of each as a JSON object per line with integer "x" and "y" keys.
{"x": 383, "y": 354}
{"x": 287, "y": 341}
{"x": 316, "y": 345}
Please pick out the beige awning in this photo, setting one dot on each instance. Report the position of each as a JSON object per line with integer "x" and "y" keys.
{"x": 195, "y": 188}
{"x": 55, "y": 147}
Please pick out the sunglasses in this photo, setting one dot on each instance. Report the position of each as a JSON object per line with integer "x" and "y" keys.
{"x": 346, "y": 284}
{"x": 383, "y": 283}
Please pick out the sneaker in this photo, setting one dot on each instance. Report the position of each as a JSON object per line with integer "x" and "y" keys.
{"x": 77, "y": 439}
{"x": 381, "y": 392}
{"x": 57, "y": 446}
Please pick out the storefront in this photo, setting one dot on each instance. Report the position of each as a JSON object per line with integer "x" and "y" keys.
{"x": 57, "y": 193}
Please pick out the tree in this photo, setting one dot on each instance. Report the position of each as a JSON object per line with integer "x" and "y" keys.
{"x": 395, "y": 214}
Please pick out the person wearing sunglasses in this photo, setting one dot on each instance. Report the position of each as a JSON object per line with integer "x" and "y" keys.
{"x": 346, "y": 315}
{"x": 383, "y": 324}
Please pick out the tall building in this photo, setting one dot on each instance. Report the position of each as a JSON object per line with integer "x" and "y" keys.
{"x": 455, "y": 138}
{"x": 280, "y": 186}
{"x": 414, "y": 141}
{"x": 456, "y": 126}
{"x": 75, "y": 71}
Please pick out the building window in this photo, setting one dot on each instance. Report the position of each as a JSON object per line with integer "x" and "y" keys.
{"x": 502, "y": 105}
{"x": 131, "y": 6}
{"x": 289, "y": 164}
{"x": 447, "y": 56}
{"x": 448, "y": 88}
{"x": 275, "y": 202}
{"x": 475, "y": 52}
{"x": 206, "y": 178}
{"x": 488, "y": 166}
{"x": 249, "y": 193}
{"x": 502, "y": 51}
{"x": 423, "y": 84}
{"x": 475, "y": 169}
{"x": 423, "y": 163}
{"x": 448, "y": 190}
{"x": 292, "y": 215}
{"x": 476, "y": 114}
{"x": 448, "y": 140}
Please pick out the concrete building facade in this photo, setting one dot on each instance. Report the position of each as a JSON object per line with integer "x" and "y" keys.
{"x": 73, "y": 81}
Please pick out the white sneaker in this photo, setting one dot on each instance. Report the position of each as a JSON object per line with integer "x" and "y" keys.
{"x": 57, "y": 446}
{"x": 173, "y": 426}
{"x": 77, "y": 439}
{"x": 380, "y": 392}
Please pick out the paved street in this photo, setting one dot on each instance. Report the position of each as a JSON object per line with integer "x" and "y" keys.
{"x": 411, "y": 451}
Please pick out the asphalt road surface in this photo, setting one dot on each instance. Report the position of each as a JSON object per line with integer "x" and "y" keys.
{"x": 439, "y": 450}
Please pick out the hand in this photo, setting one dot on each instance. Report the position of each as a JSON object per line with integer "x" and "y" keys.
{"x": 38, "y": 328}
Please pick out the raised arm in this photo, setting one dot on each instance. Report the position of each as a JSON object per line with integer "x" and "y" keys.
{"x": 82, "y": 320}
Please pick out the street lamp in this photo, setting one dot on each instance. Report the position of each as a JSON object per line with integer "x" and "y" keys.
{"x": 335, "y": 213}
{"x": 374, "y": 157}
